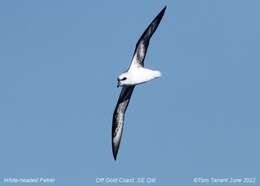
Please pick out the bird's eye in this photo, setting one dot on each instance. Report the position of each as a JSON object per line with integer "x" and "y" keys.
{"x": 124, "y": 78}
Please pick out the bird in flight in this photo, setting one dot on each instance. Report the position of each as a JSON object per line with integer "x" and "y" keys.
{"x": 136, "y": 74}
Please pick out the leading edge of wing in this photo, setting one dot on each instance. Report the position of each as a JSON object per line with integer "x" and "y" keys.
{"x": 118, "y": 117}
{"x": 143, "y": 42}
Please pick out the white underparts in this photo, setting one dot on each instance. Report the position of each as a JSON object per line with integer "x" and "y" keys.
{"x": 141, "y": 75}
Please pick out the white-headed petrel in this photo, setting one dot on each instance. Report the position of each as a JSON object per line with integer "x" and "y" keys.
{"x": 136, "y": 74}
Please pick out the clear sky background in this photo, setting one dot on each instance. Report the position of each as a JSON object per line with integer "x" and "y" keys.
{"x": 59, "y": 61}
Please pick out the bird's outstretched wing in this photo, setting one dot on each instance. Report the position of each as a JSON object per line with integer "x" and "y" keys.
{"x": 143, "y": 42}
{"x": 118, "y": 117}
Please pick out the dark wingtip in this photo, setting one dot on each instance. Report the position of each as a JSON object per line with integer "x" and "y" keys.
{"x": 160, "y": 15}
{"x": 163, "y": 10}
{"x": 115, "y": 150}
{"x": 114, "y": 155}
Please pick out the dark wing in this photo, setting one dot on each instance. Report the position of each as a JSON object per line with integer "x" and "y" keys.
{"x": 143, "y": 42}
{"x": 118, "y": 117}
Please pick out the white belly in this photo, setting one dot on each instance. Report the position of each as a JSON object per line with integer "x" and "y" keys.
{"x": 142, "y": 75}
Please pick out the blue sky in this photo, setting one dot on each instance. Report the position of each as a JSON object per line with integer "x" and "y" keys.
{"x": 59, "y": 61}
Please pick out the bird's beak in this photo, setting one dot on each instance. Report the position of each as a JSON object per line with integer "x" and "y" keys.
{"x": 118, "y": 83}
